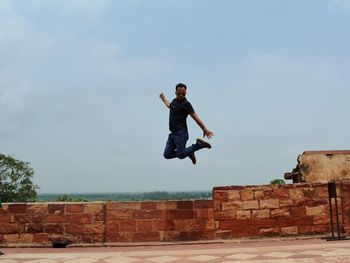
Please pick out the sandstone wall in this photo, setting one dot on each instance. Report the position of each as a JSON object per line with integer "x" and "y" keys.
{"x": 235, "y": 211}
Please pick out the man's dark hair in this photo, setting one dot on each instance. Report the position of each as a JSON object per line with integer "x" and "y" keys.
{"x": 180, "y": 85}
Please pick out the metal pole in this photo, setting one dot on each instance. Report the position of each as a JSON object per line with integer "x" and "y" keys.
{"x": 331, "y": 214}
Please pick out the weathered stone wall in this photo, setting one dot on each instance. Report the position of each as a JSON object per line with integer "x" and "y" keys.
{"x": 106, "y": 221}
{"x": 235, "y": 211}
{"x": 295, "y": 209}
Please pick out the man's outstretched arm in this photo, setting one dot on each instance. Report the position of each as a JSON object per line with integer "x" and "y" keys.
{"x": 206, "y": 132}
{"x": 166, "y": 102}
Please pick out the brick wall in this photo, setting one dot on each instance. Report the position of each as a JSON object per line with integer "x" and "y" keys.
{"x": 267, "y": 210}
{"x": 97, "y": 222}
{"x": 235, "y": 211}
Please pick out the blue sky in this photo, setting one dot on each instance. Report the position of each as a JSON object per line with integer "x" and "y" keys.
{"x": 79, "y": 86}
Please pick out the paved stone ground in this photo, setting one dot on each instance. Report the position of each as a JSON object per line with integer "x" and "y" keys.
{"x": 312, "y": 250}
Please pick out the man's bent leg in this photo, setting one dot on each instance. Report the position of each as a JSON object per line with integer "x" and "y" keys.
{"x": 169, "y": 151}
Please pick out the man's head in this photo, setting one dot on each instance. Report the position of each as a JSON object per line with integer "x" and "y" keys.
{"x": 180, "y": 91}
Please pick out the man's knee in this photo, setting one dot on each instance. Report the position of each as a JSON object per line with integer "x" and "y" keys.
{"x": 167, "y": 156}
{"x": 181, "y": 155}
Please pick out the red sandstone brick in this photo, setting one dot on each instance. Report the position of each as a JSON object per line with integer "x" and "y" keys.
{"x": 279, "y": 213}
{"x": 146, "y": 236}
{"x": 128, "y": 226}
{"x": 231, "y": 214}
{"x": 258, "y": 195}
{"x": 56, "y": 208}
{"x": 228, "y": 224}
{"x": 296, "y": 193}
{"x": 205, "y": 213}
{"x": 34, "y": 228}
{"x": 57, "y": 218}
{"x": 247, "y": 195}
{"x": 250, "y": 231}
{"x": 221, "y": 196}
{"x": 285, "y": 203}
{"x": 36, "y": 209}
{"x": 74, "y": 208}
{"x": 319, "y": 229}
{"x": 269, "y": 195}
{"x": 289, "y": 231}
{"x": 22, "y": 219}
{"x": 94, "y": 208}
{"x": 263, "y": 222}
{"x": 296, "y": 221}
{"x": 8, "y": 228}
{"x": 144, "y": 225}
{"x": 37, "y": 218}
{"x": 81, "y": 219}
{"x": 120, "y": 237}
{"x": 123, "y": 205}
{"x": 120, "y": 214}
{"x": 53, "y": 228}
{"x": 269, "y": 203}
{"x": 282, "y": 193}
{"x": 223, "y": 234}
{"x": 166, "y": 205}
{"x": 149, "y": 205}
{"x": 184, "y": 204}
{"x": 233, "y": 205}
{"x": 149, "y": 214}
{"x": 298, "y": 211}
{"x": 17, "y": 208}
{"x": 5, "y": 218}
{"x": 41, "y": 238}
{"x": 161, "y": 225}
{"x": 321, "y": 220}
{"x": 269, "y": 231}
{"x": 182, "y": 214}
{"x": 74, "y": 229}
{"x": 203, "y": 204}
{"x": 169, "y": 236}
{"x": 113, "y": 226}
{"x": 263, "y": 213}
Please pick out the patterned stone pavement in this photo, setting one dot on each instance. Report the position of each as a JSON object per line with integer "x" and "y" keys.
{"x": 314, "y": 250}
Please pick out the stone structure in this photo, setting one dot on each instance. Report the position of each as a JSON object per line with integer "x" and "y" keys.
{"x": 235, "y": 211}
{"x": 321, "y": 166}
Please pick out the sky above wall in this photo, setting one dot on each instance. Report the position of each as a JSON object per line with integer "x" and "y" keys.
{"x": 80, "y": 80}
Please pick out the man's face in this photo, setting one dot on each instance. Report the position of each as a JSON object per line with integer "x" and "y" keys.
{"x": 180, "y": 93}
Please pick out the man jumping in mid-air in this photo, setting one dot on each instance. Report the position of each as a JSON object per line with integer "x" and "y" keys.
{"x": 180, "y": 108}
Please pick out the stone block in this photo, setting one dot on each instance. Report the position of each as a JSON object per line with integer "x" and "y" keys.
{"x": 269, "y": 203}
{"x": 5, "y": 218}
{"x": 184, "y": 204}
{"x": 169, "y": 235}
{"x": 123, "y": 205}
{"x": 40, "y": 238}
{"x": 203, "y": 204}
{"x": 54, "y": 228}
{"x": 120, "y": 214}
{"x": 93, "y": 208}
{"x": 263, "y": 213}
{"x": 149, "y": 214}
{"x": 271, "y": 231}
{"x": 282, "y": 193}
{"x": 229, "y": 214}
{"x": 247, "y": 195}
{"x": 149, "y": 205}
{"x": 57, "y": 218}
{"x": 18, "y": 238}
{"x": 295, "y": 221}
{"x": 120, "y": 237}
{"x": 34, "y": 228}
{"x": 243, "y": 214}
{"x": 163, "y": 225}
{"x": 17, "y": 208}
{"x": 284, "y": 203}
{"x": 321, "y": 220}
{"x": 128, "y": 226}
{"x": 36, "y": 209}
{"x": 232, "y": 205}
{"x": 166, "y": 205}
{"x": 144, "y": 225}
{"x": 74, "y": 208}
{"x": 298, "y": 211}
{"x": 289, "y": 231}
{"x": 221, "y": 196}
{"x": 205, "y": 213}
{"x": 296, "y": 193}
{"x": 233, "y": 195}
{"x": 81, "y": 218}
{"x": 112, "y": 226}
{"x": 146, "y": 236}
{"x": 258, "y": 195}
{"x": 316, "y": 211}
{"x": 250, "y": 204}
{"x": 10, "y": 228}
{"x": 182, "y": 214}
{"x": 279, "y": 213}
{"x": 56, "y": 208}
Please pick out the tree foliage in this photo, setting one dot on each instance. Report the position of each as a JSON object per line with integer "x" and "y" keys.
{"x": 277, "y": 181}
{"x": 16, "y": 180}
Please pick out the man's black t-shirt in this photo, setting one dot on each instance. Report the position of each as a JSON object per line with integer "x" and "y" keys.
{"x": 179, "y": 110}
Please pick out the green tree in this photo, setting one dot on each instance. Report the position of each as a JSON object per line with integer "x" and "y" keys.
{"x": 277, "y": 181}
{"x": 16, "y": 180}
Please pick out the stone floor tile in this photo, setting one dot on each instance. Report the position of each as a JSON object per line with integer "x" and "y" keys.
{"x": 279, "y": 254}
{"x": 205, "y": 258}
{"x": 163, "y": 259}
{"x": 241, "y": 256}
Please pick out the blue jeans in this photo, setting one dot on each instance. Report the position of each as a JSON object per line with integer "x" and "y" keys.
{"x": 176, "y": 146}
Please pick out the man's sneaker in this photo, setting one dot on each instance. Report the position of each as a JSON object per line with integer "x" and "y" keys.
{"x": 203, "y": 144}
{"x": 193, "y": 158}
